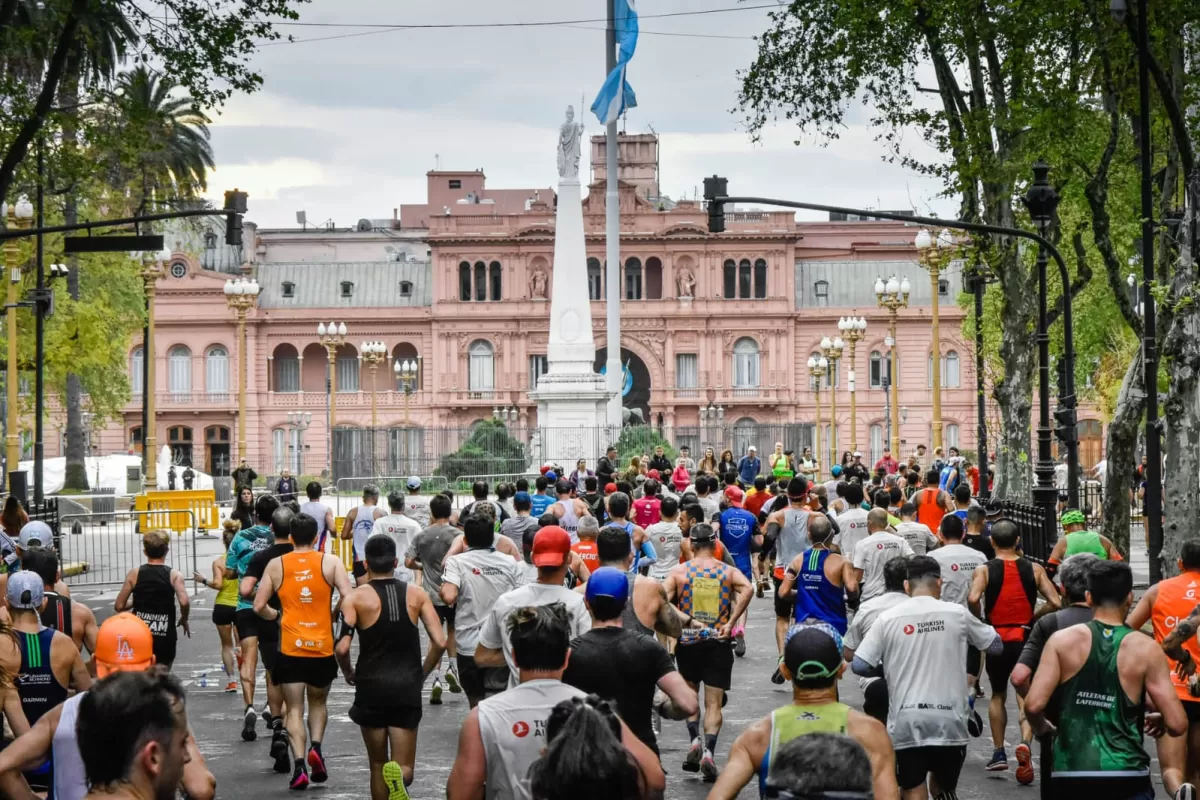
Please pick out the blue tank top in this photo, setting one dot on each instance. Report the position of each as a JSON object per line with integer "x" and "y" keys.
{"x": 944, "y": 482}
{"x": 816, "y": 596}
{"x": 737, "y": 530}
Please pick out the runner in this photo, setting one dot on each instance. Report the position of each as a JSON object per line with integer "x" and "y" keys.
{"x": 319, "y": 511}
{"x": 399, "y": 526}
{"x": 873, "y": 553}
{"x": 1166, "y": 604}
{"x": 427, "y": 552}
{"x": 245, "y": 544}
{"x": 710, "y": 592}
{"x": 648, "y": 612}
{"x": 1008, "y": 586}
{"x": 740, "y": 535}
{"x": 958, "y": 564}
{"x": 1101, "y": 675}
{"x": 63, "y": 614}
{"x": 667, "y": 539}
{"x": 875, "y": 690}
{"x": 569, "y": 510}
{"x": 918, "y": 535}
{"x": 388, "y": 676}
{"x": 1077, "y": 540}
{"x": 787, "y": 532}
{"x": 852, "y": 521}
{"x": 962, "y": 501}
{"x": 540, "y": 500}
{"x": 818, "y": 580}
{"x": 618, "y": 510}
{"x": 304, "y": 581}
{"x": 648, "y": 509}
{"x": 585, "y": 545}
{"x": 471, "y": 584}
{"x": 360, "y": 522}
{"x": 976, "y": 532}
{"x": 812, "y": 661}
{"x": 927, "y": 719}
{"x": 932, "y": 502}
{"x": 515, "y": 527}
{"x": 224, "y": 605}
{"x": 618, "y": 664}
{"x": 705, "y": 486}
{"x": 151, "y": 591}
{"x": 504, "y": 735}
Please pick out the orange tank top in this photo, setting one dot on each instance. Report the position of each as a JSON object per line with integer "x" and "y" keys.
{"x": 1176, "y": 599}
{"x": 929, "y": 513}
{"x": 588, "y": 552}
{"x": 306, "y": 621}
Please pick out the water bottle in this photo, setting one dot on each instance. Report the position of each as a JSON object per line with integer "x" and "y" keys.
{"x": 204, "y": 679}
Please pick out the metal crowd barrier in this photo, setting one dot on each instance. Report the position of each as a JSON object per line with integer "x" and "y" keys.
{"x": 465, "y": 481}
{"x": 102, "y": 554}
{"x": 200, "y": 504}
{"x": 430, "y": 484}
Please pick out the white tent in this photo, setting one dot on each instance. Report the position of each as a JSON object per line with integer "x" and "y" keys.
{"x": 108, "y": 472}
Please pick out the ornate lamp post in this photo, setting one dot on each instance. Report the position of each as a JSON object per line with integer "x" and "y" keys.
{"x": 711, "y": 416}
{"x": 16, "y": 216}
{"x": 893, "y": 295}
{"x": 241, "y": 296}
{"x": 299, "y": 422}
{"x": 332, "y": 337}
{"x": 152, "y": 270}
{"x": 817, "y": 366}
{"x": 935, "y": 253}
{"x": 832, "y": 350}
{"x": 406, "y": 373}
{"x": 853, "y": 330}
{"x": 373, "y": 354}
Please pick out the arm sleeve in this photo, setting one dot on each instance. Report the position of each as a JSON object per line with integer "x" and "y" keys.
{"x": 1031, "y": 654}
{"x": 870, "y": 651}
{"x": 491, "y": 635}
{"x": 451, "y": 574}
{"x": 860, "y": 556}
{"x": 980, "y": 634}
{"x": 861, "y": 667}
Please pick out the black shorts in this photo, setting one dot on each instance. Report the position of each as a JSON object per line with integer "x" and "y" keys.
{"x": 875, "y": 700}
{"x": 407, "y": 717}
{"x": 246, "y": 622}
{"x": 481, "y": 681}
{"x": 445, "y": 614}
{"x": 974, "y": 660}
{"x": 268, "y": 652}
{"x": 945, "y": 762}
{"x": 224, "y": 615}
{"x": 1192, "y": 709}
{"x": 164, "y": 650}
{"x": 784, "y": 609}
{"x": 709, "y": 662}
{"x": 317, "y": 671}
{"x": 999, "y": 668}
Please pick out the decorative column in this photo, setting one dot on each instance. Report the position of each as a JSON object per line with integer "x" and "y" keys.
{"x": 373, "y": 354}
{"x": 854, "y": 330}
{"x": 832, "y": 350}
{"x": 893, "y": 296}
{"x": 817, "y": 365}
{"x": 241, "y": 295}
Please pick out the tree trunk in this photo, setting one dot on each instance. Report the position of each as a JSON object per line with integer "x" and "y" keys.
{"x": 1121, "y": 452}
{"x": 1014, "y": 394}
{"x": 75, "y": 476}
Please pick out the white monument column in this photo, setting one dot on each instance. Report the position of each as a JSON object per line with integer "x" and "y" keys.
{"x": 571, "y": 396}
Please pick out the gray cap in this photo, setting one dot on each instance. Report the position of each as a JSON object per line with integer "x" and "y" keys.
{"x": 25, "y": 590}
{"x": 35, "y": 533}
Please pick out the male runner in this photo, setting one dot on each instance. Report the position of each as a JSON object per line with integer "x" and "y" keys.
{"x": 667, "y": 539}
{"x": 427, "y": 552}
{"x": 472, "y": 582}
{"x": 1077, "y": 540}
{"x": 818, "y": 579}
{"x": 873, "y": 553}
{"x": 932, "y": 502}
{"x": 1101, "y": 674}
{"x": 919, "y": 638}
{"x": 245, "y": 544}
{"x": 585, "y": 545}
{"x": 740, "y": 535}
{"x": 1168, "y": 604}
{"x": 1008, "y": 586}
{"x": 647, "y": 509}
{"x": 399, "y": 526}
{"x": 515, "y": 527}
{"x": 975, "y": 533}
{"x": 708, "y": 591}
{"x": 787, "y": 530}
{"x": 875, "y": 690}
{"x": 812, "y": 661}
{"x": 151, "y": 591}
{"x": 502, "y": 736}
{"x": 61, "y": 613}
{"x": 304, "y": 581}
{"x": 540, "y": 500}
{"x": 322, "y": 513}
{"x": 569, "y": 509}
{"x": 958, "y": 564}
{"x": 618, "y": 511}
{"x": 918, "y": 535}
{"x": 360, "y": 522}
{"x": 852, "y": 521}
{"x": 389, "y": 674}
{"x": 705, "y": 486}
{"x": 648, "y": 610}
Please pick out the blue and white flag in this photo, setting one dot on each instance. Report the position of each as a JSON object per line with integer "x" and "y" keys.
{"x": 616, "y": 95}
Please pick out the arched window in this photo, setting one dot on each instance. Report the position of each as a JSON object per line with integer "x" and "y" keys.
{"x": 881, "y": 367}
{"x": 216, "y": 371}
{"x": 595, "y": 279}
{"x": 287, "y": 368}
{"x": 347, "y": 368}
{"x": 136, "y": 366}
{"x": 745, "y": 433}
{"x": 481, "y": 377}
{"x": 951, "y": 436}
{"x": 876, "y": 443}
{"x": 633, "y": 279}
{"x": 480, "y": 281}
{"x": 464, "y": 282}
{"x": 179, "y": 370}
{"x": 135, "y": 439}
{"x": 950, "y": 371}
{"x": 730, "y": 279}
{"x": 744, "y": 279}
{"x": 406, "y": 351}
{"x": 279, "y": 450}
{"x": 745, "y": 364}
{"x": 760, "y": 279}
{"x": 496, "y": 281}
{"x": 654, "y": 274}
{"x": 179, "y": 438}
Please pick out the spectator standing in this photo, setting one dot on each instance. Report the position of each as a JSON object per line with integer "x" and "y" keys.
{"x": 244, "y": 475}
{"x": 749, "y": 466}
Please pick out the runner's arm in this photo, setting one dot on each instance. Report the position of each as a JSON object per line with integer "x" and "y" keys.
{"x": 32, "y": 747}
{"x": 1173, "y": 644}
{"x": 185, "y": 605}
{"x": 669, "y": 621}
{"x": 469, "y": 772}
{"x": 1045, "y": 681}
{"x": 1140, "y": 614}
{"x": 433, "y": 627}
{"x": 979, "y": 581}
{"x": 685, "y": 549}
{"x": 348, "y": 525}
{"x": 873, "y": 736}
{"x": 492, "y": 633}
{"x": 341, "y": 582}
{"x": 87, "y": 621}
{"x": 81, "y": 681}
{"x": 122, "y": 603}
{"x": 743, "y": 592}
{"x": 450, "y": 578}
{"x": 1046, "y": 587}
{"x": 1159, "y": 687}
{"x": 506, "y": 546}
{"x": 1113, "y": 553}
{"x": 198, "y": 783}
{"x": 682, "y": 695}
{"x": 861, "y": 667}
{"x": 266, "y": 588}
{"x": 341, "y": 648}
{"x": 787, "y": 587}
{"x": 742, "y": 765}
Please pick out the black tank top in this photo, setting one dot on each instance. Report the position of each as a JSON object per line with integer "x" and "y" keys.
{"x": 389, "y": 671}
{"x": 40, "y": 691}
{"x": 57, "y": 613}
{"x": 629, "y": 617}
{"x": 154, "y": 599}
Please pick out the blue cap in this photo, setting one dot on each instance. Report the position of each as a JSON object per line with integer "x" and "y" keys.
{"x": 522, "y": 497}
{"x": 552, "y": 476}
{"x": 608, "y": 582}
{"x": 836, "y": 471}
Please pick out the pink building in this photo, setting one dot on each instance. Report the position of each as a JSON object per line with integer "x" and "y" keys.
{"x": 716, "y": 329}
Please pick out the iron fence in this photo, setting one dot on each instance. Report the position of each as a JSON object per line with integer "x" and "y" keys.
{"x": 101, "y": 549}
{"x": 1038, "y": 529}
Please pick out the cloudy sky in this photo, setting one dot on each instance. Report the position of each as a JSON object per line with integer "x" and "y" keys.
{"x": 346, "y": 128}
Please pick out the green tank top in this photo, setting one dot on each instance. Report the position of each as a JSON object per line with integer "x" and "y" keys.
{"x": 228, "y": 593}
{"x": 791, "y": 722}
{"x": 780, "y": 468}
{"x": 1099, "y": 728}
{"x": 1085, "y": 542}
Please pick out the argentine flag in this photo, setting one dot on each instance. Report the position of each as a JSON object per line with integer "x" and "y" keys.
{"x": 616, "y": 95}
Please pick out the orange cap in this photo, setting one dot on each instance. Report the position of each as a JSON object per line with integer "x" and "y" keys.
{"x": 124, "y": 644}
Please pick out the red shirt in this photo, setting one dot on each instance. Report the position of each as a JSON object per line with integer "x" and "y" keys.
{"x": 889, "y": 464}
{"x": 647, "y": 511}
{"x": 1013, "y": 609}
{"x": 755, "y": 502}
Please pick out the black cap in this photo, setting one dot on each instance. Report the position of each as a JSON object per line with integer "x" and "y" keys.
{"x": 811, "y": 643}
{"x": 995, "y": 507}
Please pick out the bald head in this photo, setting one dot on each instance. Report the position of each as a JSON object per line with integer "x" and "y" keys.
{"x": 877, "y": 520}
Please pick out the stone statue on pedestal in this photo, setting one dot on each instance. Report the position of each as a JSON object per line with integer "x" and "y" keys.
{"x": 569, "y": 136}
{"x": 537, "y": 285}
{"x": 685, "y": 283}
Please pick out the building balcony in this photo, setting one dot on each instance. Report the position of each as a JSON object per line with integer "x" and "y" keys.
{"x": 389, "y": 398}
{"x": 189, "y": 399}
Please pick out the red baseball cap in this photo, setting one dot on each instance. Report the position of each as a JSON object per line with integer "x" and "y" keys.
{"x": 551, "y": 547}
{"x": 609, "y": 488}
{"x": 653, "y": 474}
{"x": 544, "y": 469}
{"x": 734, "y": 495}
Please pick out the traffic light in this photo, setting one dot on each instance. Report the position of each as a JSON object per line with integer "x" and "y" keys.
{"x": 235, "y": 207}
{"x": 715, "y": 187}
{"x": 1064, "y": 429}
{"x": 1061, "y": 365}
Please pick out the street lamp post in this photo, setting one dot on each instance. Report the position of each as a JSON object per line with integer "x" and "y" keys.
{"x": 832, "y": 350}
{"x": 711, "y": 415}
{"x": 152, "y": 270}
{"x": 332, "y": 337}
{"x": 298, "y": 423}
{"x": 373, "y": 354}
{"x": 817, "y": 365}
{"x": 241, "y": 296}
{"x": 893, "y": 295}
{"x": 935, "y": 253}
{"x": 406, "y": 373}
{"x": 16, "y": 216}
{"x": 853, "y": 329}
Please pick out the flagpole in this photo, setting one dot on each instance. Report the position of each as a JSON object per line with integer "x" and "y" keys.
{"x": 612, "y": 245}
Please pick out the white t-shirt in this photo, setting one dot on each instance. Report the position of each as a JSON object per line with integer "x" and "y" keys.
{"x": 481, "y": 577}
{"x": 922, "y": 645}
{"x": 958, "y": 564}
{"x": 711, "y": 507}
{"x": 494, "y": 633}
{"x": 853, "y": 529}
{"x": 872, "y": 554}
{"x": 402, "y": 530}
{"x": 864, "y": 619}
{"x": 918, "y": 536}
{"x": 666, "y": 538}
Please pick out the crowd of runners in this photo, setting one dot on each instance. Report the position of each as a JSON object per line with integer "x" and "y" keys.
{"x": 581, "y": 615}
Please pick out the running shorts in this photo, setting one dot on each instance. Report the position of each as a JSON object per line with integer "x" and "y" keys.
{"x": 246, "y": 622}
{"x": 784, "y": 609}
{"x": 268, "y": 651}
{"x": 164, "y": 650}
{"x": 709, "y": 662}
{"x": 481, "y": 681}
{"x": 407, "y": 717}
{"x": 224, "y": 615}
{"x": 1192, "y": 709}
{"x": 974, "y": 660}
{"x": 999, "y": 668}
{"x": 316, "y": 671}
{"x": 945, "y": 762}
{"x": 445, "y": 614}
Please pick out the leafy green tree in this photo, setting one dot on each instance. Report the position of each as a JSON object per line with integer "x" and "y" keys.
{"x": 489, "y": 450}
{"x": 639, "y": 440}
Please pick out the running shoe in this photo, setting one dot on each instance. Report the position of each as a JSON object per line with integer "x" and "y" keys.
{"x": 248, "y": 732}
{"x": 435, "y": 694}
{"x": 739, "y": 645}
{"x": 299, "y": 780}
{"x": 758, "y": 589}
{"x": 691, "y": 762}
{"x": 393, "y": 778}
{"x": 231, "y": 687}
{"x": 777, "y": 676}
{"x": 708, "y": 767}
{"x": 268, "y": 720}
{"x": 452, "y": 680}
{"x": 974, "y": 721}
{"x": 279, "y": 751}
{"x": 999, "y": 762}
{"x": 1025, "y": 765}
{"x": 316, "y": 763}
{"x": 1185, "y": 792}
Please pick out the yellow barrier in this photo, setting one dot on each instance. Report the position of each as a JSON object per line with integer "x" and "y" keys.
{"x": 343, "y": 549}
{"x": 172, "y": 508}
